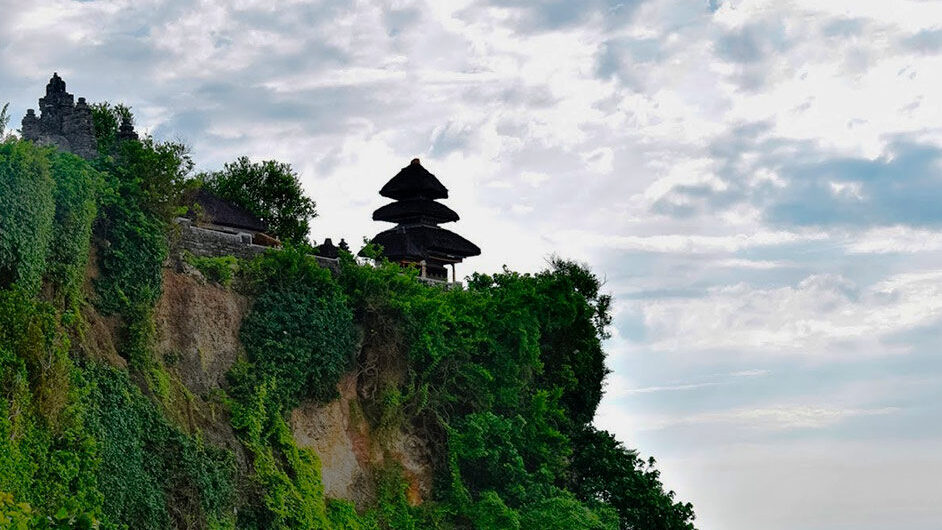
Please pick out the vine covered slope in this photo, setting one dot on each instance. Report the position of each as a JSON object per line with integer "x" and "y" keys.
{"x": 146, "y": 390}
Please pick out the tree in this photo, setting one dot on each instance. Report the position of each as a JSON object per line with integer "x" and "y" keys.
{"x": 602, "y": 469}
{"x": 106, "y": 118}
{"x": 154, "y": 172}
{"x": 271, "y": 190}
{"x": 4, "y": 120}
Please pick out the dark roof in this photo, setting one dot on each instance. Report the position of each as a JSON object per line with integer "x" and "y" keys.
{"x": 414, "y": 210}
{"x": 413, "y": 182}
{"x": 219, "y": 211}
{"x": 328, "y": 250}
{"x": 422, "y": 241}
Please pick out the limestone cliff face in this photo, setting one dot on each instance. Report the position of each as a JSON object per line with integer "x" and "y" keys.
{"x": 197, "y": 336}
{"x": 350, "y": 451}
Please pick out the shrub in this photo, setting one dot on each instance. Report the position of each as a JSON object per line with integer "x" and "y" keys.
{"x": 216, "y": 269}
{"x": 76, "y": 190}
{"x": 47, "y": 458}
{"x": 26, "y": 214}
{"x": 563, "y": 511}
{"x": 131, "y": 258}
{"x": 300, "y": 330}
{"x": 152, "y": 475}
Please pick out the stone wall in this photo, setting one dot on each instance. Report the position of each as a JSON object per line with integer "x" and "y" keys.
{"x": 203, "y": 242}
{"x": 211, "y": 243}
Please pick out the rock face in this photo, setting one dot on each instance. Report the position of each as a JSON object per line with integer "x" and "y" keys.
{"x": 197, "y": 328}
{"x": 62, "y": 122}
{"x": 351, "y": 452}
{"x": 197, "y": 336}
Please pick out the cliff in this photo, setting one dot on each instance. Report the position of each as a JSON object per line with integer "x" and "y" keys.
{"x": 197, "y": 337}
{"x": 148, "y": 388}
{"x": 197, "y": 325}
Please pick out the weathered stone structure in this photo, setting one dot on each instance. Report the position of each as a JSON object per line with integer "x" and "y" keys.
{"x": 206, "y": 242}
{"x": 126, "y": 131}
{"x": 62, "y": 122}
{"x": 209, "y": 243}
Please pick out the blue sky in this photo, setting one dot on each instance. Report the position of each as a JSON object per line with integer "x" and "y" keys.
{"x": 758, "y": 182}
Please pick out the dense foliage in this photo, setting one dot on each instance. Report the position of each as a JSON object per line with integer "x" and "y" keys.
{"x": 77, "y": 187}
{"x": 144, "y": 181}
{"x": 218, "y": 269}
{"x": 500, "y": 377}
{"x": 80, "y": 445}
{"x": 271, "y": 190}
{"x": 506, "y": 375}
{"x": 106, "y": 120}
{"x": 300, "y": 332}
{"x": 151, "y": 474}
{"x": 26, "y": 214}
{"x": 299, "y": 338}
{"x": 603, "y": 469}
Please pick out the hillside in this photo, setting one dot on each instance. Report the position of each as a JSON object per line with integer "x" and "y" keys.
{"x": 144, "y": 388}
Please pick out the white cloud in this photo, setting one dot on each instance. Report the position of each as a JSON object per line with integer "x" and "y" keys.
{"x": 819, "y": 316}
{"x": 619, "y": 386}
{"x": 895, "y": 239}
{"x": 534, "y": 178}
{"x": 778, "y": 418}
{"x": 737, "y": 263}
{"x": 686, "y": 243}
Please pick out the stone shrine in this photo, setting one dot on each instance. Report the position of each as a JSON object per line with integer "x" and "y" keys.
{"x": 61, "y": 122}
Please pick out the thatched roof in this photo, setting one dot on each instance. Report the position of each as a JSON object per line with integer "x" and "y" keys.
{"x": 219, "y": 211}
{"x": 328, "y": 250}
{"x": 421, "y": 241}
{"x": 415, "y": 210}
{"x": 414, "y": 182}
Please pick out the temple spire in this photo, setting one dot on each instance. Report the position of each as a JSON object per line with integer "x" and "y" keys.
{"x": 417, "y": 239}
{"x": 61, "y": 121}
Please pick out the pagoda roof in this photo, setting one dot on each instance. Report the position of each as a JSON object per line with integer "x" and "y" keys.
{"x": 328, "y": 250}
{"x": 421, "y": 241}
{"x": 413, "y": 209}
{"x": 222, "y": 212}
{"x": 414, "y": 182}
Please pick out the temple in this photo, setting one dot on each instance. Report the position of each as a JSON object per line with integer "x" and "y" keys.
{"x": 61, "y": 122}
{"x": 417, "y": 239}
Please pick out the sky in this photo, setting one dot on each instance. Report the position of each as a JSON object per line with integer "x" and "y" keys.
{"x": 758, "y": 182}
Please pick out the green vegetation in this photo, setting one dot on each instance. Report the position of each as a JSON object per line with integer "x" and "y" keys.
{"x": 507, "y": 374}
{"x": 106, "y": 119}
{"x": 4, "y": 121}
{"x": 144, "y": 181}
{"x": 501, "y": 378}
{"x": 27, "y": 209}
{"x": 271, "y": 190}
{"x": 77, "y": 187}
{"x": 300, "y": 332}
{"x": 299, "y": 339}
{"x": 219, "y": 269}
{"x": 152, "y": 475}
